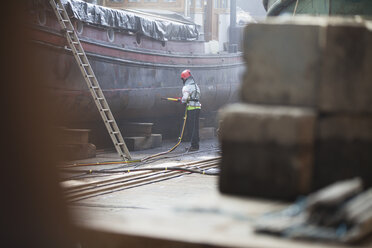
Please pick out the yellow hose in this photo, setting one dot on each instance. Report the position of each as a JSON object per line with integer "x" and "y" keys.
{"x": 172, "y": 99}
{"x": 175, "y": 146}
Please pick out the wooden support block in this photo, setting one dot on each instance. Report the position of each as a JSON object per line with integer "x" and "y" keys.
{"x": 202, "y": 122}
{"x": 283, "y": 63}
{"x": 346, "y": 80}
{"x": 136, "y": 129}
{"x": 266, "y": 151}
{"x": 302, "y": 62}
{"x": 143, "y": 143}
{"x": 76, "y": 151}
{"x": 73, "y": 136}
{"x": 207, "y": 133}
{"x": 343, "y": 149}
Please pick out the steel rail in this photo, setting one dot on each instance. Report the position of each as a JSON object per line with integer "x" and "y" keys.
{"x": 134, "y": 174}
{"x": 127, "y": 177}
{"x": 130, "y": 176}
{"x": 107, "y": 186}
{"x": 135, "y": 164}
{"x": 122, "y": 185}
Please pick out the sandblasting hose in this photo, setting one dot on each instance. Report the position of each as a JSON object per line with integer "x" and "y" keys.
{"x": 142, "y": 159}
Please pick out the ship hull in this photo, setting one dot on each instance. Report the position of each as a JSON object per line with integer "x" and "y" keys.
{"x": 133, "y": 75}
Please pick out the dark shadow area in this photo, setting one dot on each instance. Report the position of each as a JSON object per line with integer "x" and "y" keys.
{"x": 34, "y": 213}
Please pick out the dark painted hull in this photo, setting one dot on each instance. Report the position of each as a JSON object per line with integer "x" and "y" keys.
{"x": 134, "y": 76}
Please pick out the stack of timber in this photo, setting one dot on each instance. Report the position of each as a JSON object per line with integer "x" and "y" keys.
{"x": 73, "y": 144}
{"x": 206, "y": 133}
{"x": 206, "y": 128}
{"x": 306, "y": 116}
{"x": 139, "y": 136}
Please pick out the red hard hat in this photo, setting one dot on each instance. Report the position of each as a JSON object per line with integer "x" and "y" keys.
{"x": 185, "y": 74}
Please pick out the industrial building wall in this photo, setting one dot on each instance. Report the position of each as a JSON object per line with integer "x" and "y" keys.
{"x": 176, "y": 5}
{"x": 223, "y": 32}
{"x": 254, "y": 7}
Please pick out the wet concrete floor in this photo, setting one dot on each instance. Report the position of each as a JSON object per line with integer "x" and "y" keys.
{"x": 188, "y": 208}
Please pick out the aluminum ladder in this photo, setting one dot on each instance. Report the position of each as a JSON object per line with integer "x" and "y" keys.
{"x": 90, "y": 79}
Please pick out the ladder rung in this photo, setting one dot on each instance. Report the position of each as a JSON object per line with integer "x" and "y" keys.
{"x": 67, "y": 29}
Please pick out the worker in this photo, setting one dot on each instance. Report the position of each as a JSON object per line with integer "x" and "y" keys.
{"x": 191, "y": 97}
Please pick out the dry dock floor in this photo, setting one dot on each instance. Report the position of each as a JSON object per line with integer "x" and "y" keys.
{"x": 184, "y": 211}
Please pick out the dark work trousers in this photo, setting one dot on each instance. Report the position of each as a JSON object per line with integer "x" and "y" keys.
{"x": 192, "y": 126}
